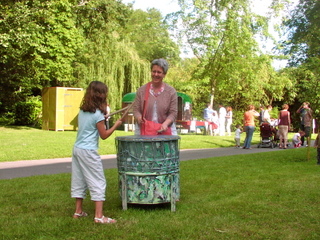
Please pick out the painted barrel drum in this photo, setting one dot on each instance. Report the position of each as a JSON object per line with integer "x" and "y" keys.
{"x": 148, "y": 168}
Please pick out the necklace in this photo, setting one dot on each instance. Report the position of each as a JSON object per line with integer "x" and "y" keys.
{"x": 156, "y": 93}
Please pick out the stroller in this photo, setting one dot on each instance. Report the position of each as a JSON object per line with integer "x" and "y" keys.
{"x": 267, "y": 136}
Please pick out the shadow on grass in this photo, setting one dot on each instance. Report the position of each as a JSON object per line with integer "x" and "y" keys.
{"x": 148, "y": 207}
{"x": 15, "y": 127}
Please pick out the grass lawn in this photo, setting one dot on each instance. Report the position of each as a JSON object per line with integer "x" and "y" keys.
{"x": 23, "y": 143}
{"x": 272, "y": 195}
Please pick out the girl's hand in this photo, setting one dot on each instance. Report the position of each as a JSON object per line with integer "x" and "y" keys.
{"x": 118, "y": 123}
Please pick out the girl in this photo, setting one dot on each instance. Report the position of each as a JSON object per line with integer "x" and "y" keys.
{"x": 87, "y": 169}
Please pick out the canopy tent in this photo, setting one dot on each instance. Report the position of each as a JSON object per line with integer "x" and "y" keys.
{"x": 129, "y": 97}
{"x": 185, "y": 98}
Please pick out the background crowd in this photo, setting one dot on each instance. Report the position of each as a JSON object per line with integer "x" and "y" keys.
{"x": 280, "y": 122}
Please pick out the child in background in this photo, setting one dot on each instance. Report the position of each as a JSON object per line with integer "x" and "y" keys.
{"x": 87, "y": 169}
{"x": 237, "y": 135}
{"x": 296, "y": 140}
{"x": 317, "y": 145}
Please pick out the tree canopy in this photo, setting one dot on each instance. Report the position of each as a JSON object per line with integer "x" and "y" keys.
{"x": 303, "y": 47}
{"x": 222, "y": 35}
{"x": 38, "y": 46}
{"x": 72, "y": 42}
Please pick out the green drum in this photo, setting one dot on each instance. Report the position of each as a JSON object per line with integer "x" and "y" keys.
{"x": 148, "y": 169}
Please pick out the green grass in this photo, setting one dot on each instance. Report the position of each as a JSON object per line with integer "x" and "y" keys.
{"x": 271, "y": 195}
{"x": 23, "y": 143}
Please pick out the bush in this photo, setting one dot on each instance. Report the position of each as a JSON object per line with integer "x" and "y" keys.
{"x": 7, "y": 119}
{"x": 28, "y": 113}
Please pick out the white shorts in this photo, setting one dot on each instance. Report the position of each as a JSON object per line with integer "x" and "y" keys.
{"x": 87, "y": 173}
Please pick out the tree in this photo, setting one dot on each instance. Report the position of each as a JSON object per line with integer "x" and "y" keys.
{"x": 303, "y": 29}
{"x": 108, "y": 56}
{"x": 66, "y": 43}
{"x": 222, "y": 35}
{"x": 38, "y": 45}
{"x": 149, "y": 33}
{"x": 303, "y": 46}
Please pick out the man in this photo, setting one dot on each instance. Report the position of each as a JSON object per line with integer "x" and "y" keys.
{"x": 306, "y": 121}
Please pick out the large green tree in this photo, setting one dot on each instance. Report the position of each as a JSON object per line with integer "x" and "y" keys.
{"x": 223, "y": 36}
{"x": 149, "y": 33}
{"x": 66, "y": 43}
{"x": 38, "y": 46}
{"x": 303, "y": 47}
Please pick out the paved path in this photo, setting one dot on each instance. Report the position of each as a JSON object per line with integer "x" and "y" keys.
{"x": 16, "y": 169}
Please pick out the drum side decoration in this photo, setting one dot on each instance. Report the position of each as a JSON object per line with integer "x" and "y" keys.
{"x": 148, "y": 169}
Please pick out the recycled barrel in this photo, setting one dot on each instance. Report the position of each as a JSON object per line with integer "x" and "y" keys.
{"x": 148, "y": 168}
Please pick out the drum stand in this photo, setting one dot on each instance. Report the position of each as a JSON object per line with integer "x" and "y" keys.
{"x": 124, "y": 188}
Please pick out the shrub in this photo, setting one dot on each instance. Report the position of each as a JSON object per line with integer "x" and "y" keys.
{"x": 28, "y": 113}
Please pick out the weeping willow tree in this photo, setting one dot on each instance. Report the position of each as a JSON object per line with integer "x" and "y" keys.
{"x": 118, "y": 65}
{"x": 107, "y": 56}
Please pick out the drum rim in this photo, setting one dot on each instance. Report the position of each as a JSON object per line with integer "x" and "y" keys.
{"x": 141, "y": 138}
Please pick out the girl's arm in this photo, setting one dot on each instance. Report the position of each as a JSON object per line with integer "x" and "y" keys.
{"x": 105, "y": 133}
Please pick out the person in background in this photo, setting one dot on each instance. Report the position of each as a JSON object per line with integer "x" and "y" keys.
{"x": 208, "y": 116}
{"x": 237, "y": 136}
{"x": 207, "y": 113}
{"x": 229, "y": 120}
{"x": 249, "y": 125}
{"x": 261, "y": 113}
{"x": 317, "y": 145}
{"x": 215, "y": 120}
{"x": 296, "y": 139}
{"x": 284, "y": 124}
{"x": 266, "y": 115}
{"x": 305, "y": 120}
{"x": 222, "y": 120}
{"x": 162, "y": 104}
{"x": 87, "y": 169}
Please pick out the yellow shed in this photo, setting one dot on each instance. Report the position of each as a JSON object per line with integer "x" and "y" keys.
{"x": 60, "y": 108}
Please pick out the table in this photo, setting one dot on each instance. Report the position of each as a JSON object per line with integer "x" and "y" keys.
{"x": 194, "y": 124}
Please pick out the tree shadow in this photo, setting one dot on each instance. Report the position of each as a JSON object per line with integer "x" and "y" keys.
{"x": 16, "y": 127}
